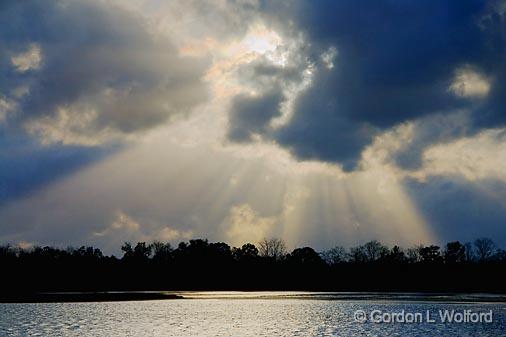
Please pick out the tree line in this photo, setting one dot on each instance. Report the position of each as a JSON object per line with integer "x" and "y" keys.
{"x": 202, "y": 265}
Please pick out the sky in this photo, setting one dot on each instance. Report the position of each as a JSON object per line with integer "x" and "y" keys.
{"x": 319, "y": 122}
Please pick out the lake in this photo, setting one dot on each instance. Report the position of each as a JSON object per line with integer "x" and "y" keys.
{"x": 262, "y": 314}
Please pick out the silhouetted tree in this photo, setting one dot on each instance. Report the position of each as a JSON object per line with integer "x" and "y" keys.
{"x": 128, "y": 250}
{"x": 194, "y": 252}
{"x": 396, "y": 255}
{"x": 374, "y": 250}
{"x": 469, "y": 257}
{"x": 430, "y": 254}
{"x": 455, "y": 252}
{"x": 220, "y": 252}
{"x": 7, "y": 252}
{"x": 500, "y": 255}
{"x": 272, "y": 248}
{"x": 143, "y": 250}
{"x": 358, "y": 254}
{"x": 413, "y": 254}
{"x": 305, "y": 256}
{"x": 248, "y": 252}
{"x": 484, "y": 248}
{"x": 335, "y": 256}
{"x": 369, "y": 252}
{"x": 198, "y": 265}
{"x": 162, "y": 252}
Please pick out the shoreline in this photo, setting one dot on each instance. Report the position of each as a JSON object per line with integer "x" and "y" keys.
{"x": 121, "y": 296}
{"x": 77, "y": 297}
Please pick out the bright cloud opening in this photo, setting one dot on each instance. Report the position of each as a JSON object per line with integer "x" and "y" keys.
{"x": 470, "y": 83}
{"x": 29, "y": 60}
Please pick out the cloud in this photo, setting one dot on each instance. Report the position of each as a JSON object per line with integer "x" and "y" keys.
{"x": 125, "y": 228}
{"x": 481, "y": 157}
{"x": 245, "y": 225}
{"x": 458, "y": 209}
{"x": 251, "y": 116}
{"x": 6, "y": 106}
{"x": 439, "y": 145}
{"x": 470, "y": 83}
{"x": 377, "y": 65}
{"x": 28, "y": 166}
{"x": 29, "y": 60}
{"x": 407, "y": 97}
{"x": 328, "y": 57}
{"x": 96, "y": 59}
{"x": 430, "y": 130}
{"x": 122, "y": 223}
{"x": 71, "y": 127}
{"x": 193, "y": 20}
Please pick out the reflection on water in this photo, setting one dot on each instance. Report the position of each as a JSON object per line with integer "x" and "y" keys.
{"x": 362, "y": 296}
{"x": 236, "y": 316}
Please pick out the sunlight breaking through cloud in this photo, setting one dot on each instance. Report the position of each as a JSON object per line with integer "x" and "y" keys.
{"x": 238, "y": 120}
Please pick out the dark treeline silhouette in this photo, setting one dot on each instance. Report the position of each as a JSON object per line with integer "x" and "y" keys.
{"x": 202, "y": 265}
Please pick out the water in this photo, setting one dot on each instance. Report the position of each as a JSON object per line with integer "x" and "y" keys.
{"x": 215, "y": 314}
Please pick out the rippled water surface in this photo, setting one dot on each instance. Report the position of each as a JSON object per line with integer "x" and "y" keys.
{"x": 215, "y": 316}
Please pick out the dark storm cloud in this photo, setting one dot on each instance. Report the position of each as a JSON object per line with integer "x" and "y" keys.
{"x": 493, "y": 62}
{"x": 95, "y": 57}
{"x": 439, "y": 128}
{"x": 395, "y": 62}
{"x": 461, "y": 210}
{"x": 27, "y": 166}
{"x": 251, "y": 115}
